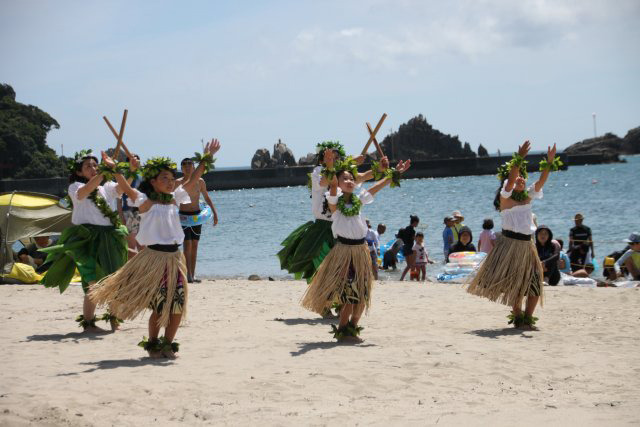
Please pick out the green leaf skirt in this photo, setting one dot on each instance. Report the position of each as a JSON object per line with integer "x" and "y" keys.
{"x": 96, "y": 250}
{"x": 305, "y": 248}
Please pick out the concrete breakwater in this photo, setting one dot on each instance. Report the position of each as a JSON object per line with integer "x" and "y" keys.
{"x": 297, "y": 175}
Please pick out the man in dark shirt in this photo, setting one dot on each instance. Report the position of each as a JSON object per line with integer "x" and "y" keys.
{"x": 580, "y": 234}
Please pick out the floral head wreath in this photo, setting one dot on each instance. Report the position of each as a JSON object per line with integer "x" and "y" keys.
{"x": 349, "y": 165}
{"x": 330, "y": 145}
{"x": 77, "y": 159}
{"x": 155, "y": 165}
{"x": 517, "y": 161}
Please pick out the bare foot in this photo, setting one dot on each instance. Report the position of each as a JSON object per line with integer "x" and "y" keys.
{"x": 351, "y": 339}
{"x": 94, "y": 330}
{"x": 529, "y": 328}
{"x": 169, "y": 354}
{"x": 115, "y": 325}
{"x": 155, "y": 354}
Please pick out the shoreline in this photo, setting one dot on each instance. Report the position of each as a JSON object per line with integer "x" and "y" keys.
{"x": 238, "y": 179}
{"x": 251, "y": 355}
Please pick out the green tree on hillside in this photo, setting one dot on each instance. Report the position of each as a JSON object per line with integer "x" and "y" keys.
{"x": 23, "y": 134}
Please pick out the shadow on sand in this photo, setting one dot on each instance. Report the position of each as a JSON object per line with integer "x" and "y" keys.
{"x": 497, "y": 333}
{"x": 308, "y": 346}
{"x": 119, "y": 363}
{"x": 74, "y": 336}
{"x": 304, "y": 321}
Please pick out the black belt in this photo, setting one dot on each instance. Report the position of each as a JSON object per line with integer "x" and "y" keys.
{"x": 518, "y": 236}
{"x": 351, "y": 242}
{"x": 164, "y": 248}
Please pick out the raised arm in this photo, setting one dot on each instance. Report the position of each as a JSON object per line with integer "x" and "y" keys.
{"x": 333, "y": 191}
{"x": 366, "y": 176}
{"x": 90, "y": 186}
{"x": 210, "y": 149}
{"x": 328, "y": 160}
{"x": 401, "y": 167}
{"x": 123, "y": 184}
{"x": 523, "y": 150}
{"x": 551, "y": 153}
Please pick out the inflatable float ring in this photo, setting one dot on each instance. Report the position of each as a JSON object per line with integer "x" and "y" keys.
{"x": 191, "y": 220}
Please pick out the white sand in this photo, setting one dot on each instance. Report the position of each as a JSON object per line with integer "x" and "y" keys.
{"x": 433, "y": 354}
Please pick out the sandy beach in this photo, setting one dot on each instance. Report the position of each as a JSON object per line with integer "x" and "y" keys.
{"x": 251, "y": 355}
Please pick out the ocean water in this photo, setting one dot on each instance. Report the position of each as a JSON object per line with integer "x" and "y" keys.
{"x": 253, "y": 222}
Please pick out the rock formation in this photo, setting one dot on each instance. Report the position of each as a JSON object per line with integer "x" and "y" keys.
{"x": 418, "y": 140}
{"x": 482, "y": 152}
{"x": 282, "y": 156}
{"x": 609, "y": 143}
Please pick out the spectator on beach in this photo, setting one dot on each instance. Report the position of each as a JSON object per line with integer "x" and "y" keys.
{"x": 192, "y": 232}
{"x": 580, "y": 234}
{"x": 457, "y": 225}
{"x": 465, "y": 244}
{"x": 487, "y": 237}
{"x": 579, "y": 257}
{"x": 408, "y": 235}
{"x": 24, "y": 258}
{"x": 564, "y": 263}
{"x": 373, "y": 243}
{"x": 390, "y": 258}
{"x": 447, "y": 237}
{"x": 41, "y": 242}
{"x": 549, "y": 253}
{"x": 422, "y": 258}
{"x": 584, "y": 272}
{"x": 630, "y": 260}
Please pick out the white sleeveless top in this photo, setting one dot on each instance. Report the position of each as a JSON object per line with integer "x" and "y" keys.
{"x": 519, "y": 218}
{"x": 85, "y": 211}
{"x": 350, "y": 227}
{"x": 160, "y": 225}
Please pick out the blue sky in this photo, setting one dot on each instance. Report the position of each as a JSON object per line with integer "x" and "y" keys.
{"x": 250, "y": 73}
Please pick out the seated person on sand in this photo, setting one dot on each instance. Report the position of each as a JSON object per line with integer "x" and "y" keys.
{"x": 24, "y": 258}
{"x": 464, "y": 244}
{"x": 41, "y": 242}
{"x": 631, "y": 258}
{"x": 579, "y": 257}
{"x": 584, "y": 272}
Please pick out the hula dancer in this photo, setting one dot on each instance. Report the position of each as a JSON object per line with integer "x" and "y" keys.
{"x": 305, "y": 248}
{"x": 345, "y": 275}
{"x": 512, "y": 270}
{"x": 97, "y": 242}
{"x": 156, "y": 277}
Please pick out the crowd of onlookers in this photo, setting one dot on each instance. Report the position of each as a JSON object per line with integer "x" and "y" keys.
{"x": 577, "y": 260}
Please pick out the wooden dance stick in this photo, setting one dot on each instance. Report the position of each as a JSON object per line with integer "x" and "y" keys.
{"x": 118, "y": 137}
{"x": 375, "y": 141}
{"x": 372, "y": 136}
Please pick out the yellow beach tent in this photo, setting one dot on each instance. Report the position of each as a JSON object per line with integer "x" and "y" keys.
{"x": 24, "y": 215}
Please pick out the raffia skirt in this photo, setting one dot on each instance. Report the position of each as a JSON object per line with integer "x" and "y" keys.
{"x": 345, "y": 276}
{"x": 511, "y": 271}
{"x": 305, "y": 248}
{"x": 152, "y": 279}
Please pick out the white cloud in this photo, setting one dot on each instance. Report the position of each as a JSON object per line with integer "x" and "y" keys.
{"x": 420, "y": 31}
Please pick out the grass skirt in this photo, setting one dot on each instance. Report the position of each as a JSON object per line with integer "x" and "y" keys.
{"x": 96, "y": 250}
{"x": 138, "y": 285}
{"x": 511, "y": 271}
{"x": 305, "y": 248}
{"x": 345, "y": 275}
